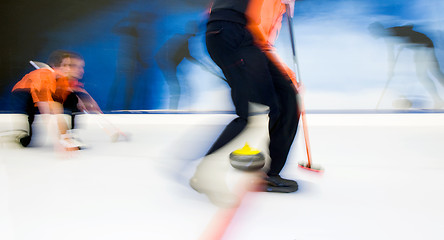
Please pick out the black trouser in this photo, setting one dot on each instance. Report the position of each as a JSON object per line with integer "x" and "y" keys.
{"x": 23, "y": 103}
{"x": 252, "y": 77}
{"x": 70, "y": 107}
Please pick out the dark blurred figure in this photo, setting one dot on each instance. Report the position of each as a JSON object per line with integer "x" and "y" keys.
{"x": 130, "y": 56}
{"x": 235, "y": 40}
{"x": 168, "y": 58}
{"x": 424, "y": 55}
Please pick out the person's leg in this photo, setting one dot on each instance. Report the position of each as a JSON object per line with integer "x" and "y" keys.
{"x": 169, "y": 72}
{"x": 423, "y": 62}
{"x": 237, "y": 125}
{"x": 70, "y": 107}
{"x": 22, "y": 103}
{"x": 245, "y": 68}
{"x": 223, "y": 40}
{"x": 282, "y": 127}
{"x": 210, "y": 175}
{"x": 435, "y": 70}
{"x": 434, "y": 67}
{"x": 244, "y": 65}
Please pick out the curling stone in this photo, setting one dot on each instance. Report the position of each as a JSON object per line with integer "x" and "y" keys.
{"x": 247, "y": 159}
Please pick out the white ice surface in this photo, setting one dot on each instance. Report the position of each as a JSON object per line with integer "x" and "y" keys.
{"x": 383, "y": 179}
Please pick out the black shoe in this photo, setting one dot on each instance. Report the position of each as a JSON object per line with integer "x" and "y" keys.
{"x": 278, "y": 184}
{"x": 24, "y": 141}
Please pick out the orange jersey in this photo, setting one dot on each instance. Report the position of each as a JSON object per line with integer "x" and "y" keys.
{"x": 271, "y": 20}
{"x": 265, "y": 22}
{"x": 44, "y": 85}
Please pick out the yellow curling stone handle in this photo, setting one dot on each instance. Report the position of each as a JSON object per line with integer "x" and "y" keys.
{"x": 246, "y": 150}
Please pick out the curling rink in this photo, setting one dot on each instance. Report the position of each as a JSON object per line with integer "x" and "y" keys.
{"x": 383, "y": 179}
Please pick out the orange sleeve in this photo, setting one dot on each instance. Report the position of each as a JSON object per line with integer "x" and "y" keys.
{"x": 22, "y": 84}
{"x": 40, "y": 83}
{"x": 280, "y": 64}
{"x": 265, "y": 21}
{"x": 253, "y": 14}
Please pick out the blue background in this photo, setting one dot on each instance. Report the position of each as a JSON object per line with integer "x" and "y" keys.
{"x": 342, "y": 66}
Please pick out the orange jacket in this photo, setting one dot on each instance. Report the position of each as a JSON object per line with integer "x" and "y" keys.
{"x": 264, "y": 23}
{"x": 44, "y": 85}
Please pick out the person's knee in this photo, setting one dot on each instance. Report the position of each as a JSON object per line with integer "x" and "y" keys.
{"x": 243, "y": 120}
{"x": 21, "y": 102}
{"x": 70, "y": 104}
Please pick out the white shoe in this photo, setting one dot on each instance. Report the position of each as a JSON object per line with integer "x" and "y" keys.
{"x": 75, "y": 139}
{"x": 70, "y": 143}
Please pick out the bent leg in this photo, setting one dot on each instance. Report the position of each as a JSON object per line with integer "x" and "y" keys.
{"x": 244, "y": 65}
{"x": 282, "y": 126}
{"x": 70, "y": 107}
{"x": 22, "y": 103}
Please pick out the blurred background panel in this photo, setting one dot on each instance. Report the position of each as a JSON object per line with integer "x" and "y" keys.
{"x": 151, "y": 54}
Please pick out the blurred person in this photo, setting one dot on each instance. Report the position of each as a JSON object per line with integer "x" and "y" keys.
{"x": 131, "y": 56}
{"x": 50, "y": 91}
{"x": 168, "y": 58}
{"x": 424, "y": 55}
{"x": 79, "y": 100}
{"x": 171, "y": 54}
{"x": 239, "y": 39}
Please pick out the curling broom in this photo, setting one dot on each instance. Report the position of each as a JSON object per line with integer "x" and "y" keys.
{"x": 307, "y": 165}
